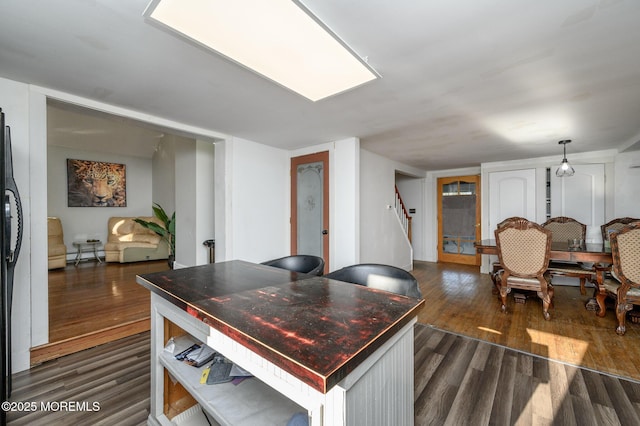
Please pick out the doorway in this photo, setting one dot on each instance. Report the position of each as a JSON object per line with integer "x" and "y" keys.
{"x": 107, "y": 291}
{"x": 459, "y": 219}
{"x": 310, "y": 205}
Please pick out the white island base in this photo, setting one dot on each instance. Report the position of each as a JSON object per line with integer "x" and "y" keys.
{"x": 378, "y": 392}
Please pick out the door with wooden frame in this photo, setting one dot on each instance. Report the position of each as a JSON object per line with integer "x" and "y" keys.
{"x": 459, "y": 219}
{"x": 310, "y": 205}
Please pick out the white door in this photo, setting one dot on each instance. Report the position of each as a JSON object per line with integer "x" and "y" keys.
{"x": 581, "y": 197}
{"x": 511, "y": 193}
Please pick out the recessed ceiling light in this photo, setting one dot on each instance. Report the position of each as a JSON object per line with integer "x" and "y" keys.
{"x": 278, "y": 39}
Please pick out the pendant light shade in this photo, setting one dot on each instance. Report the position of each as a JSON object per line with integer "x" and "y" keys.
{"x": 565, "y": 169}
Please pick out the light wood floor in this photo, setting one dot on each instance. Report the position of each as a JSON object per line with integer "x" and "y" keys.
{"x": 459, "y": 299}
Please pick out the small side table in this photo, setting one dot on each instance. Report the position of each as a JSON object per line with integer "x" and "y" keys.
{"x": 85, "y": 247}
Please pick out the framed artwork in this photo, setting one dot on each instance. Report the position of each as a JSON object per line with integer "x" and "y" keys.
{"x": 96, "y": 184}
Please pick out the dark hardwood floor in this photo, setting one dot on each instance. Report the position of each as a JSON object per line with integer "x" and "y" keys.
{"x": 95, "y": 303}
{"x": 474, "y": 364}
{"x": 93, "y": 296}
{"x": 108, "y": 385}
{"x": 465, "y": 381}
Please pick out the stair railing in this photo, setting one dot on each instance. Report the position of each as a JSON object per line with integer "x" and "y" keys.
{"x": 403, "y": 214}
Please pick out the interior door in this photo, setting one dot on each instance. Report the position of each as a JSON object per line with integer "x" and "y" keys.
{"x": 459, "y": 219}
{"x": 310, "y": 205}
{"x": 511, "y": 193}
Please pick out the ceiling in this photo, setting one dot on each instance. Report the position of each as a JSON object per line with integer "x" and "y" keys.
{"x": 461, "y": 82}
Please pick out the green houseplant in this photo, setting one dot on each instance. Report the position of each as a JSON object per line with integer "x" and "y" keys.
{"x": 167, "y": 233}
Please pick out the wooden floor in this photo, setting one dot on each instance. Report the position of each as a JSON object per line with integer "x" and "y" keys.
{"x": 110, "y": 385}
{"x": 95, "y": 303}
{"x": 459, "y": 299}
{"x": 460, "y": 377}
{"x": 464, "y": 381}
{"x": 94, "y": 298}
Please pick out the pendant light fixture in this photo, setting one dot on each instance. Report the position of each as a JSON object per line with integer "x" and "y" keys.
{"x": 565, "y": 169}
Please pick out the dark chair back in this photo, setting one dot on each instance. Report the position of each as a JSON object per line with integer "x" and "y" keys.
{"x": 306, "y": 264}
{"x": 381, "y": 277}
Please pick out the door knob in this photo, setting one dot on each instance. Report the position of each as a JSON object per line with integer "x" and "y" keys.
{"x": 325, "y": 232}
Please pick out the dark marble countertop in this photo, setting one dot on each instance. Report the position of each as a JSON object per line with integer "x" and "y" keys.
{"x": 316, "y": 329}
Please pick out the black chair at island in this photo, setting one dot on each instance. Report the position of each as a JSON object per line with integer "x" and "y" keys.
{"x": 381, "y": 277}
{"x": 305, "y": 264}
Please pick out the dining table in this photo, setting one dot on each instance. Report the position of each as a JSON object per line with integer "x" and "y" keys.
{"x": 588, "y": 253}
{"x": 560, "y": 250}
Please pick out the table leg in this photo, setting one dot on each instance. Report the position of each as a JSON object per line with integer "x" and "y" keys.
{"x": 95, "y": 253}
{"x": 78, "y": 253}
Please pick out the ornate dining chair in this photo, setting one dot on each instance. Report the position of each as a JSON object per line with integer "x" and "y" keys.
{"x": 615, "y": 225}
{"x": 623, "y": 284}
{"x": 496, "y": 267}
{"x": 563, "y": 229}
{"x": 523, "y": 250}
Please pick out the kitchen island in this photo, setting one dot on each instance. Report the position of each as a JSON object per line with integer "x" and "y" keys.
{"x": 340, "y": 353}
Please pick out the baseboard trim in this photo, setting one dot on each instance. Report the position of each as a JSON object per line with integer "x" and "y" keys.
{"x": 53, "y": 350}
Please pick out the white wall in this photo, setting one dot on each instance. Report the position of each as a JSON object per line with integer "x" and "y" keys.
{"x": 195, "y": 217}
{"x": 380, "y": 233}
{"x": 186, "y": 204}
{"x": 222, "y": 195}
{"x": 205, "y": 198}
{"x": 258, "y": 220}
{"x": 345, "y": 189}
{"x": 80, "y": 223}
{"x": 626, "y": 180}
{"x": 164, "y": 174}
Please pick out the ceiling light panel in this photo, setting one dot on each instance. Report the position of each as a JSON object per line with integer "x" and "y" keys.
{"x": 278, "y": 39}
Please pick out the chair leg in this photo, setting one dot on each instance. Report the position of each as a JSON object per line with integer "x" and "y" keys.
{"x": 547, "y": 298}
{"x": 503, "y": 296}
{"x": 602, "y": 307}
{"x": 621, "y": 313}
{"x": 494, "y": 277}
{"x": 496, "y": 283}
{"x": 583, "y": 282}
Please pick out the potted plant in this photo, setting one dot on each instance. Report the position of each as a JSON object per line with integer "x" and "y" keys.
{"x": 167, "y": 233}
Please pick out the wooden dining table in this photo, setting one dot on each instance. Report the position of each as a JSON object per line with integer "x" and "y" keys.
{"x": 588, "y": 253}
{"x": 596, "y": 253}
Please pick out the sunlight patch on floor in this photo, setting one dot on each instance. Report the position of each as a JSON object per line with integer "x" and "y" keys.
{"x": 490, "y": 330}
{"x": 563, "y": 348}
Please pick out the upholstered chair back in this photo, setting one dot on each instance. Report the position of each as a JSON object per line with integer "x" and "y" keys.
{"x": 616, "y": 225}
{"x": 565, "y": 228}
{"x": 625, "y": 248}
{"x": 523, "y": 248}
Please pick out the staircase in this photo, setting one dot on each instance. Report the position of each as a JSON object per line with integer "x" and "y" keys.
{"x": 403, "y": 215}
